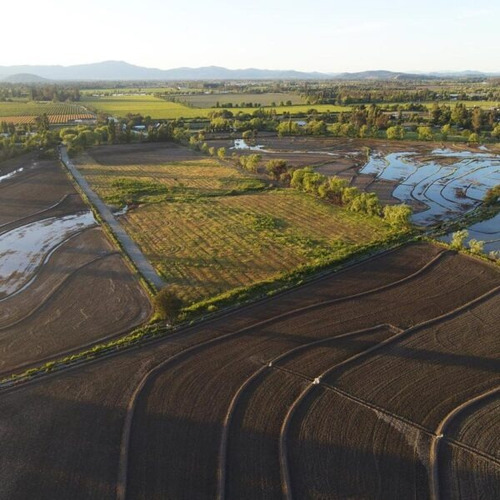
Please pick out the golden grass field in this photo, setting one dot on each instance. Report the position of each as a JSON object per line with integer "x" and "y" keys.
{"x": 213, "y": 229}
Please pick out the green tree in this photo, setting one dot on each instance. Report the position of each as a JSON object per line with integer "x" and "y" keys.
{"x": 275, "y": 168}
{"x": 332, "y": 189}
{"x": 473, "y": 138}
{"x": 425, "y": 133}
{"x": 288, "y": 128}
{"x": 458, "y": 239}
{"x": 316, "y": 127}
{"x": 398, "y": 215}
{"x": 445, "y": 131}
{"x": 395, "y": 133}
{"x": 492, "y": 196}
{"x": 477, "y": 119}
{"x": 221, "y": 153}
{"x": 250, "y": 162}
{"x": 247, "y": 135}
{"x": 367, "y": 203}
{"x": 42, "y": 123}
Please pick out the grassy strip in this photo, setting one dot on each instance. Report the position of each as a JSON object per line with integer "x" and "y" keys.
{"x": 217, "y": 306}
{"x": 464, "y": 251}
{"x": 287, "y": 280}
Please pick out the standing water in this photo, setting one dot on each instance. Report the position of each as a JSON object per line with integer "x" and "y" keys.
{"x": 23, "y": 249}
{"x": 448, "y": 190}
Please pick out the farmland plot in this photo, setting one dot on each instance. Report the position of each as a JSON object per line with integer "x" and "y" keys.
{"x": 58, "y": 113}
{"x": 62, "y": 285}
{"x": 209, "y": 228}
{"x": 263, "y": 99}
{"x": 448, "y": 183}
{"x": 284, "y": 396}
{"x": 439, "y": 183}
{"x": 148, "y": 105}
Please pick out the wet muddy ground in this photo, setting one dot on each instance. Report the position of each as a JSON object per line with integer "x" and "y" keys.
{"x": 62, "y": 284}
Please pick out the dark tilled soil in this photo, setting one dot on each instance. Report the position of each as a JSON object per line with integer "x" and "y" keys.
{"x": 62, "y": 436}
{"x": 82, "y": 294}
{"x": 41, "y": 185}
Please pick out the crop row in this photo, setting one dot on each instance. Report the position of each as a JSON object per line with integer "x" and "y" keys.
{"x": 53, "y": 119}
{"x": 206, "y": 243}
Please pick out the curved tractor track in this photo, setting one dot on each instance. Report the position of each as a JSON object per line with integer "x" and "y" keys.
{"x": 335, "y": 389}
{"x": 63, "y": 286}
{"x": 149, "y": 377}
{"x": 217, "y": 376}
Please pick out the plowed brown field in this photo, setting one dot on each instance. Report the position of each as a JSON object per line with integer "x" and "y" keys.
{"x": 376, "y": 382}
{"x": 79, "y": 291}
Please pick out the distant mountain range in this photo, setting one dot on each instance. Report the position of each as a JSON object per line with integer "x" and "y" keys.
{"x": 25, "y": 78}
{"x": 119, "y": 70}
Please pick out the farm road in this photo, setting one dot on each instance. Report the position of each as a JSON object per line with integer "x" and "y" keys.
{"x": 132, "y": 250}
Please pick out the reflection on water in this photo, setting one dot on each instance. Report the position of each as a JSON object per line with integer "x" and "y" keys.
{"x": 448, "y": 190}
{"x": 487, "y": 231}
{"x": 11, "y": 174}
{"x": 23, "y": 249}
{"x": 241, "y": 144}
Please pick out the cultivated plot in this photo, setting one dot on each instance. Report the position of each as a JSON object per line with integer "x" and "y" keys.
{"x": 209, "y": 228}
{"x": 20, "y": 112}
{"x": 62, "y": 284}
{"x": 379, "y": 381}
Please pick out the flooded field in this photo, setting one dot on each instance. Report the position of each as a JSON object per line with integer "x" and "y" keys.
{"x": 440, "y": 183}
{"x": 487, "y": 231}
{"x": 241, "y": 144}
{"x": 63, "y": 285}
{"x": 24, "y": 249}
{"x": 449, "y": 183}
{"x": 10, "y": 174}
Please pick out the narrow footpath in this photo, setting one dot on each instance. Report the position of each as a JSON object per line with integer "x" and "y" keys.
{"x": 132, "y": 250}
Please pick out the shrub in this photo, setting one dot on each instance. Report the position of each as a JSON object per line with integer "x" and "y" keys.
{"x": 473, "y": 138}
{"x": 398, "y": 215}
{"x": 494, "y": 254}
{"x": 492, "y": 196}
{"x": 458, "y": 239}
{"x": 167, "y": 305}
{"x": 476, "y": 246}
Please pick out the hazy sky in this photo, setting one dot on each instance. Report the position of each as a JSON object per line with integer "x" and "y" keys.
{"x": 322, "y": 35}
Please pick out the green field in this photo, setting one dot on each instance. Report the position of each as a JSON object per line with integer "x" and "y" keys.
{"x": 266, "y": 99}
{"x": 148, "y": 105}
{"x": 208, "y": 228}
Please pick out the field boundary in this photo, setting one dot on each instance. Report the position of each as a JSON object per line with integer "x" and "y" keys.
{"x": 147, "y": 335}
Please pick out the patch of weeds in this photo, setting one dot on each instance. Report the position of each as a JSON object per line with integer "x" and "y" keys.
{"x": 132, "y": 191}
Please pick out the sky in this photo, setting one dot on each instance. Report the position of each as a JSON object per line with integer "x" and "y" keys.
{"x": 314, "y": 35}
